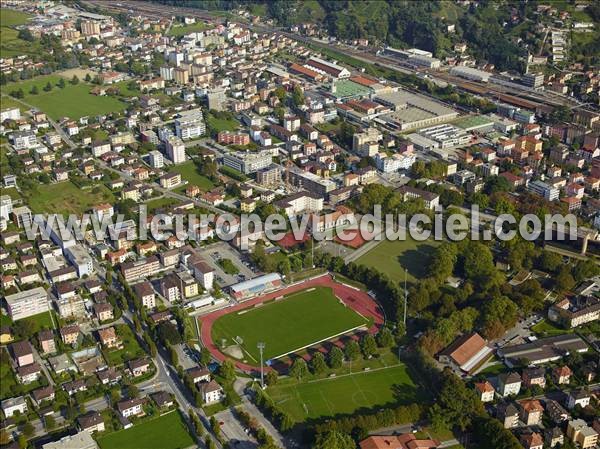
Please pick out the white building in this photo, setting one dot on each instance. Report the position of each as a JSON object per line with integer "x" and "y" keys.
{"x": 156, "y": 159}
{"x": 205, "y": 274}
{"x": 211, "y": 392}
{"x": 390, "y": 164}
{"x": 548, "y": 192}
{"x": 10, "y": 114}
{"x": 12, "y": 405}
{"x": 300, "y": 202}
{"x": 248, "y": 162}
{"x": 27, "y": 303}
{"x": 175, "y": 150}
{"x": 80, "y": 258}
{"x": 190, "y": 124}
{"x": 23, "y": 139}
{"x": 5, "y": 206}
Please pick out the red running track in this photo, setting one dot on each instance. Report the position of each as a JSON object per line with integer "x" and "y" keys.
{"x": 358, "y": 300}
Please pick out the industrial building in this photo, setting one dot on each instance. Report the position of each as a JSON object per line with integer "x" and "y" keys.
{"x": 411, "y": 111}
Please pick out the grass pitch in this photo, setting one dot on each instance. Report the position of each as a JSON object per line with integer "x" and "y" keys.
{"x": 166, "y": 432}
{"x": 294, "y": 322}
{"x": 344, "y": 394}
{"x": 393, "y": 256}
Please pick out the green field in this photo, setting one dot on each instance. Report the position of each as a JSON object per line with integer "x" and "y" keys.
{"x": 220, "y": 124}
{"x": 189, "y": 172}
{"x": 67, "y": 198}
{"x": 393, "y": 256}
{"x": 10, "y": 44}
{"x": 350, "y": 89}
{"x": 344, "y": 394}
{"x": 165, "y": 432}
{"x": 182, "y": 30}
{"x": 161, "y": 203}
{"x": 287, "y": 325}
{"x": 73, "y": 101}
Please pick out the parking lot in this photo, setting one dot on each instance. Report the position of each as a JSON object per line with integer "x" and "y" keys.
{"x": 186, "y": 356}
{"x": 212, "y": 254}
{"x": 234, "y": 432}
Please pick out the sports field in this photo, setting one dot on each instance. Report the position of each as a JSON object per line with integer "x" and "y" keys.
{"x": 287, "y": 325}
{"x": 393, "y": 256}
{"x": 165, "y": 432}
{"x": 344, "y": 394}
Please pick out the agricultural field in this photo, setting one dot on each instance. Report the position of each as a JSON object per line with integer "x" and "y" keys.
{"x": 393, "y": 256}
{"x": 67, "y": 198}
{"x": 287, "y": 325}
{"x": 189, "y": 172}
{"x": 345, "y": 393}
{"x": 165, "y": 432}
{"x": 73, "y": 101}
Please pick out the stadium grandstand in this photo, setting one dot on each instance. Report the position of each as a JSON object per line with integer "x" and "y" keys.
{"x": 256, "y": 286}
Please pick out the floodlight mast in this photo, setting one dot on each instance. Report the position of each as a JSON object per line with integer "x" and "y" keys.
{"x": 261, "y": 346}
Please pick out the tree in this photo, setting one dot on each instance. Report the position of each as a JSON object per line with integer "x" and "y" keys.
{"x": 48, "y": 87}
{"x": 352, "y": 350}
{"x": 74, "y": 80}
{"x": 28, "y": 429}
{"x": 50, "y": 422}
{"x": 88, "y": 77}
{"x": 34, "y": 90}
{"x": 168, "y": 333}
{"x": 227, "y": 370}
{"x": 368, "y": 345}
{"x": 132, "y": 391}
{"x": 205, "y": 356}
{"x": 564, "y": 280}
{"x": 585, "y": 269}
{"x": 335, "y": 357}
{"x": 298, "y": 96}
{"x": 334, "y": 439}
{"x": 385, "y": 339}
{"x": 61, "y": 83}
{"x": 4, "y": 437}
{"x": 299, "y": 368}
{"x": 317, "y": 363}
{"x": 271, "y": 378}
{"x": 549, "y": 261}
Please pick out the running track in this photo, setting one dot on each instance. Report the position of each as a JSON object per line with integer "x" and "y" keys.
{"x": 358, "y": 300}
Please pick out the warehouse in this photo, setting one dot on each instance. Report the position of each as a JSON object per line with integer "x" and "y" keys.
{"x": 411, "y": 111}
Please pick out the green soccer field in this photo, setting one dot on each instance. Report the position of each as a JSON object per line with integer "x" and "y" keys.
{"x": 344, "y": 394}
{"x": 287, "y": 325}
{"x": 165, "y": 432}
{"x": 393, "y": 256}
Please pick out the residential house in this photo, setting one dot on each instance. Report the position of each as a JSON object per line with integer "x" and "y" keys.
{"x": 532, "y": 440}
{"x": 534, "y": 376}
{"x": 580, "y": 433}
{"x": 91, "y": 422}
{"x": 485, "y": 390}
{"x": 562, "y": 374}
{"x": 531, "y": 412}
{"x": 211, "y": 392}
{"x": 138, "y": 367}
{"x": 509, "y": 384}
{"x": 47, "y": 342}
{"x": 70, "y": 334}
{"x": 131, "y": 407}
{"x": 578, "y": 397}
{"x": 22, "y": 353}
{"x": 508, "y": 414}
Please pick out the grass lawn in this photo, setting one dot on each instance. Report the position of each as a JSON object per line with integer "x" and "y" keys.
{"x": 72, "y": 101}
{"x": 344, "y": 394}
{"x": 182, "y": 30}
{"x": 547, "y": 329}
{"x": 165, "y": 432}
{"x": 8, "y": 102}
{"x": 10, "y": 44}
{"x": 131, "y": 348}
{"x": 162, "y": 202}
{"x": 40, "y": 321}
{"x": 393, "y": 256}
{"x": 287, "y": 325}
{"x": 189, "y": 172}
{"x": 67, "y": 198}
{"x": 222, "y": 124}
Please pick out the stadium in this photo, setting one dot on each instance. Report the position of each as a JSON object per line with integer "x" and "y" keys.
{"x": 289, "y": 321}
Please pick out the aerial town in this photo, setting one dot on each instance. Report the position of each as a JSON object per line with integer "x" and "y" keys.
{"x": 193, "y": 250}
